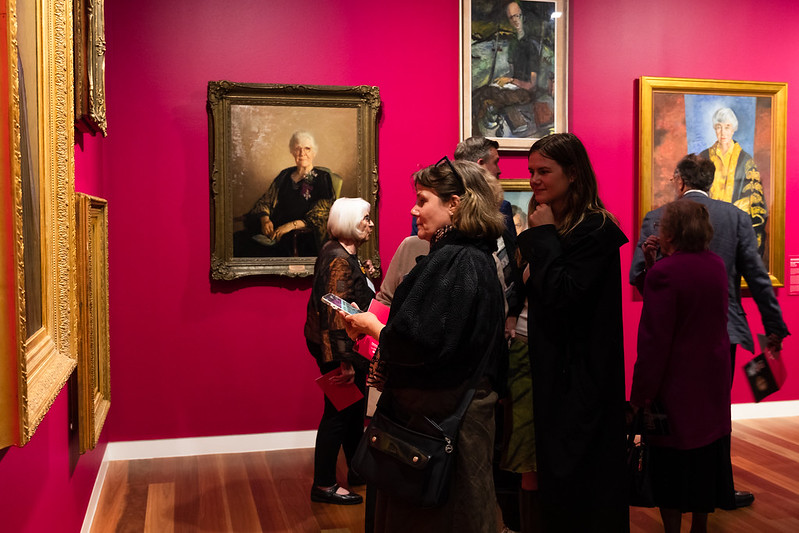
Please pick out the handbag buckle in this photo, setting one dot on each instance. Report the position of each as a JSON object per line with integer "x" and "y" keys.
{"x": 448, "y": 448}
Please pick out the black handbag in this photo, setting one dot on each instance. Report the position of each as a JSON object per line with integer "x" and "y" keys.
{"x": 414, "y": 460}
{"x": 638, "y": 468}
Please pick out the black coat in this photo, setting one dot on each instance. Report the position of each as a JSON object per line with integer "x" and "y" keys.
{"x": 577, "y": 353}
{"x": 443, "y": 316}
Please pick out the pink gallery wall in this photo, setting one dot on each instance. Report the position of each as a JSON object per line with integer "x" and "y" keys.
{"x": 193, "y": 357}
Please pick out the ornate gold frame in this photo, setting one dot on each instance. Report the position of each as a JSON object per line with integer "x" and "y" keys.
{"x": 649, "y": 162}
{"x": 34, "y": 367}
{"x": 94, "y": 355}
{"x": 89, "y": 16}
{"x": 222, "y": 96}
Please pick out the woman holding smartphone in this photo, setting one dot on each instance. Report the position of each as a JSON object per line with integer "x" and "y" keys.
{"x": 447, "y": 313}
{"x": 339, "y": 271}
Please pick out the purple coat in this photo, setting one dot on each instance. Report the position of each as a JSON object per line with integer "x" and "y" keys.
{"x": 684, "y": 350}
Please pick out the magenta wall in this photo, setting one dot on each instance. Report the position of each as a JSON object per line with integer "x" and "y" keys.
{"x": 194, "y": 357}
{"x": 191, "y": 357}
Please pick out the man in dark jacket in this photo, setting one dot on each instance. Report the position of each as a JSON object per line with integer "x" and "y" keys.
{"x": 735, "y": 241}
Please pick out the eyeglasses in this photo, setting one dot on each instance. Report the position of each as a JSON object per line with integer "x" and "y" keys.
{"x": 446, "y": 160}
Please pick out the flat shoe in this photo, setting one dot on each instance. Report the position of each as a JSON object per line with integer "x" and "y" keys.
{"x": 331, "y": 496}
{"x": 743, "y": 498}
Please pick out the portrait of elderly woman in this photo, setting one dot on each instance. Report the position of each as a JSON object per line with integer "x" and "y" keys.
{"x": 290, "y": 218}
{"x": 737, "y": 178}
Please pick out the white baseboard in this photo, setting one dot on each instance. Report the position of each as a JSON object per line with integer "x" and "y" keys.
{"x": 151, "y": 449}
{"x": 742, "y": 411}
{"x": 88, "y": 519}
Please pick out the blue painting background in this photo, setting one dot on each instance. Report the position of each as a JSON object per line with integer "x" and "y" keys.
{"x": 699, "y": 109}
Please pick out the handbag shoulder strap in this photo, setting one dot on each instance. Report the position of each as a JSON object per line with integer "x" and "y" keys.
{"x": 451, "y": 425}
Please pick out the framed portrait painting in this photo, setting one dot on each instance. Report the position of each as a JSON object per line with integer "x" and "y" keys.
{"x": 513, "y": 70}
{"x": 94, "y": 353}
{"x": 741, "y": 127}
{"x": 280, "y": 156}
{"x": 37, "y": 235}
{"x": 518, "y": 194}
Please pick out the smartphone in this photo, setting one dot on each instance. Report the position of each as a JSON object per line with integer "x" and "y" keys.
{"x": 337, "y": 303}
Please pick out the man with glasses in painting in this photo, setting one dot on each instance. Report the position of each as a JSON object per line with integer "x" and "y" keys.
{"x": 518, "y": 87}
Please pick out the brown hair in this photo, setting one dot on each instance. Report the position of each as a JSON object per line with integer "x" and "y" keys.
{"x": 687, "y": 224}
{"x": 583, "y": 196}
{"x": 477, "y": 214}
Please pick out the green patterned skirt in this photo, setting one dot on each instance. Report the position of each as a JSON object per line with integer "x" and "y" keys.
{"x": 518, "y": 454}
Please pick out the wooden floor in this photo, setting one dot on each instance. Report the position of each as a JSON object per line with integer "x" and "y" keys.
{"x": 269, "y": 491}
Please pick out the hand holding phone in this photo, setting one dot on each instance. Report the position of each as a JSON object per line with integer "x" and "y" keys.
{"x": 336, "y": 302}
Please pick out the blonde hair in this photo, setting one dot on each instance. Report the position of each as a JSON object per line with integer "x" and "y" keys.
{"x": 477, "y": 214}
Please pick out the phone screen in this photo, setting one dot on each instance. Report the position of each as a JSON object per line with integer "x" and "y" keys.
{"x": 337, "y": 302}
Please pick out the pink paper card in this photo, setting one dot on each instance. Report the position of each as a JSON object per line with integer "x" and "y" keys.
{"x": 367, "y": 346}
{"x": 341, "y": 396}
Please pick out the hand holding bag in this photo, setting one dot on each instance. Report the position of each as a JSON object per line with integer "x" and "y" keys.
{"x": 638, "y": 467}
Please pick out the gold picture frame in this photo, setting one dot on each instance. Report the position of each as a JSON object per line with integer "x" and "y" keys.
{"x": 250, "y": 126}
{"x": 518, "y": 193}
{"x": 89, "y": 39}
{"x": 38, "y": 236}
{"x": 676, "y": 119}
{"x": 495, "y": 103}
{"x": 94, "y": 354}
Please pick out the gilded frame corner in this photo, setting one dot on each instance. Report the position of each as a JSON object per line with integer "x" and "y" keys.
{"x": 36, "y": 364}
{"x": 249, "y": 129}
{"x": 94, "y": 355}
{"x": 671, "y": 109}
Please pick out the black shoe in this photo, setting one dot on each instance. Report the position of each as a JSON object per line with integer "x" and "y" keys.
{"x": 331, "y": 496}
{"x": 354, "y": 480}
{"x": 743, "y": 499}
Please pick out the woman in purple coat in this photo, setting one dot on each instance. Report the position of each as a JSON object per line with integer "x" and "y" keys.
{"x": 684, "y": 365}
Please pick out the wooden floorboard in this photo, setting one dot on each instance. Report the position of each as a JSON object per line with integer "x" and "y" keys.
{"x": 269, "y": 491}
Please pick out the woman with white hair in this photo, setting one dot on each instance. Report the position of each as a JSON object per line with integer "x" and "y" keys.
{"x": 298, "y": 198}
{"x": 338, "y": 270}
{"x": 737, "y": 178}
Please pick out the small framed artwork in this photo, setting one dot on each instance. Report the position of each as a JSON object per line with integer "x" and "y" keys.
{"x": 89, "y": 57}
{"x": 94, "y": 354}
{"x": 518, "y": 194}
{"x": 280, "y": 156}
{"x": 741, "y": 127}
{"x": 513, "y": 70}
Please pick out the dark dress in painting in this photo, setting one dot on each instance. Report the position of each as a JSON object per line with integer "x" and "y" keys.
{"x": 308, "y": 200}
{"x": 577, "y": 358}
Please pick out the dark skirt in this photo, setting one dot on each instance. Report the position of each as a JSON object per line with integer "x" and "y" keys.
{"x": 471, "y": 507}
{"x": 697, "y": 480}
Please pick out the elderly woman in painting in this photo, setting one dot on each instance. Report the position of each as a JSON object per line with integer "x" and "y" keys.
{"x": 737, "y": 179}
{"x": 291, "y": 217}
